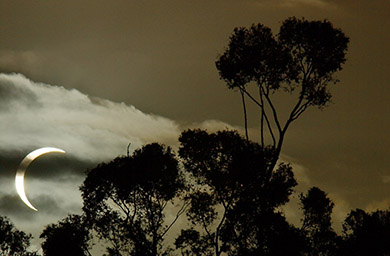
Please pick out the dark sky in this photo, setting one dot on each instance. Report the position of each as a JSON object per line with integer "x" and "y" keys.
{"x": 159, "y": 56}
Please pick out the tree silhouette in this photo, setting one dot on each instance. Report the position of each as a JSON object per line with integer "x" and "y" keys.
{"x": 69, "y": 236}
{"x": 366, "y": 233}
{"x": 303, "y": 57}
{"x": 232, "y": 187}
{"x": 125, "y": 200}
{"x": 234, "y": 195}
{"x": 317, "y": 225}
{"x": 12, "y": 241}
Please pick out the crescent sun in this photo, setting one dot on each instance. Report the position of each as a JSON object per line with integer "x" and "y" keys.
{"x": 19, "y": 178}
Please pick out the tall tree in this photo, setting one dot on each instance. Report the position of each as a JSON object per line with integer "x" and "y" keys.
{"x": 12, "y": 241}
{"x": 125, "y": 200}
{"x": 69, "y": 236}
{"x": 234, "y": 196}
{"x": 303, "y": 58}
{"x": 317, "y": 225}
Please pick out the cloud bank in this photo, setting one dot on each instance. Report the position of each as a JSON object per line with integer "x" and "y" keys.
{"x": 35, "y": 115}
{"x": 91, "y": 130}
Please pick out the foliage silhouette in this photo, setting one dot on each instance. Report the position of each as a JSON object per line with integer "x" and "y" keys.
{"x": 303, "y": 57}
{"x": 234, "y": 196}
{"x": 232, "y": 188}
{"x": 125, "y": 200}
{"x": 12, "y": 241}
{"x": 317, "y": 225}
{"x": 190, "y": 242}
{"x": 366, "y": 233}
{"x": 69, "y": 236}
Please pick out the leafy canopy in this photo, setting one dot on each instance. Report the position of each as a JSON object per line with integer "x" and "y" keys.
{"x": 12, "y": 241}
{"x": 69, "y": 236}
{"x": 125, "y": 199}
{"x": 302, "y": 58}
{"x": 235, "y": 192}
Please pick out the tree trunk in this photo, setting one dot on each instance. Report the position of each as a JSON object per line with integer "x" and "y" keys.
{"x": 245, "y": 115}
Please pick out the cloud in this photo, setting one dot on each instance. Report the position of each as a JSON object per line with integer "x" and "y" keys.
{"x": 300, "y": 172}
{"x": 91, "y": 129}
{"x": 294, "y": 3}
{"x": 340, "y": 210}
{"x": 50, "y": 197}
{"x": 316, "y": 3}
{"x": 213, "y": 126}
{"x": 292, "y": 210}
{"x": 11, "y": 205}
{"x": 17, "y": 59}
{"x": 378, "y": 205}
{"x": 386, "y": 179}
{"x": 53, "y": 199}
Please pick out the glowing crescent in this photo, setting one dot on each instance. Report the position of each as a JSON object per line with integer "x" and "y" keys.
{"x": 19, "y": 179}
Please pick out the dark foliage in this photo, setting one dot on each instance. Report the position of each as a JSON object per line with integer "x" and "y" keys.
{"x": 69, "y": 236}
{"x": 12, "y": 241}
{"x": 235, "y": 195}
{"x": 191, "y": 242}
{"x": 366, "y": 233}
{"x": 316, "y": 224}
{"x": 303, "y": 57}
{"x": 124, "y": 200}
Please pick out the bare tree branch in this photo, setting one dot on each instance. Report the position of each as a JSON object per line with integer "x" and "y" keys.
{"x": 178, "y": 214}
